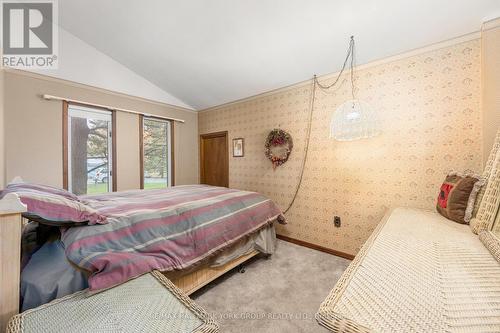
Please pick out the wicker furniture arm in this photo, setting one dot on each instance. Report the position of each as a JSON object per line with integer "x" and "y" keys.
{"x": 489, "y": 196}
{"x": 326, "y": 315}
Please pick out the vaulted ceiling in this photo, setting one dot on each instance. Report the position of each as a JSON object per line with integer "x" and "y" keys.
{"x": 209, "y": 52}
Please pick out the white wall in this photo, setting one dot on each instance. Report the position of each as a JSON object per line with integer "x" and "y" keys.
{"x": 80, "y": 62}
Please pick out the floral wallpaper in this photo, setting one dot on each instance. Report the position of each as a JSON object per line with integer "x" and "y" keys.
{"x": 429, "y": 106}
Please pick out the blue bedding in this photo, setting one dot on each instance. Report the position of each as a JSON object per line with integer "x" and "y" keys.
{"x": 49, "y": 275}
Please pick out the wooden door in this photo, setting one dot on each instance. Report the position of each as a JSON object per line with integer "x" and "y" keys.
{"x": 214, "y": 159}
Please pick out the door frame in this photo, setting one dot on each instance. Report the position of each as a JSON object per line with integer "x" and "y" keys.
{"x": 210, "y": 136}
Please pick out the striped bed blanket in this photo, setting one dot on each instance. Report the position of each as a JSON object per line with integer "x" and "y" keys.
{"x": 168, "y": 229}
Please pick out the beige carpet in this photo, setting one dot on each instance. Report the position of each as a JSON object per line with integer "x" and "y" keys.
{"x": 279, "y": 294}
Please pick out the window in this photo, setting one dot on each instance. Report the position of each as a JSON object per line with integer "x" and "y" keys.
{"x": 89, "y": 150}
{"x": 156, "y": 164}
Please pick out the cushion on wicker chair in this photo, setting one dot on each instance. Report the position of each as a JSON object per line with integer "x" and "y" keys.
{"x": 457, "y": 195}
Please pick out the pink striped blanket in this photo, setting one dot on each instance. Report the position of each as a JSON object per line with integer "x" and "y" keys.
{"x": 167, "y": 229}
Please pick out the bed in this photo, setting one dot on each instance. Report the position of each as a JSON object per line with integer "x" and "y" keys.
{"x": 192, "y": 233}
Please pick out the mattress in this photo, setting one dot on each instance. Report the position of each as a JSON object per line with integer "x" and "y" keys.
{"x": 166, "y": 230}
{"x": 49, "y": 275}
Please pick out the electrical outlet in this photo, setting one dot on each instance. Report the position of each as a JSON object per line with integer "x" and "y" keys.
{"x": 336, "y": 221}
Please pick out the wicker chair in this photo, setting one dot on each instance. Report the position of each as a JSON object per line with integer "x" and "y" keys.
{"x": 150, "y": 303}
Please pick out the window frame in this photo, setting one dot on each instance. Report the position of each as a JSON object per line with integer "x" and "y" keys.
{"x": 66, "y": 147}
{"x": 170, "y": 144}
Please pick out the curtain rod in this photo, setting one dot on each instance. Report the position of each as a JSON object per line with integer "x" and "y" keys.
{"x": 57, "y": 98}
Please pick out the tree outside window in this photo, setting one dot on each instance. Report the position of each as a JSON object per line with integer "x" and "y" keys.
{"x": 90, "y": 151}
{"x": 156, "y": 139}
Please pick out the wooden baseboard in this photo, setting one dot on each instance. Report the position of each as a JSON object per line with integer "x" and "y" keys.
{"x": 316, "y": 247}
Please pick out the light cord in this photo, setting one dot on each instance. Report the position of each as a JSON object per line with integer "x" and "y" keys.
{"x": 306, "y": 147}
{"x": 315, "y": 83}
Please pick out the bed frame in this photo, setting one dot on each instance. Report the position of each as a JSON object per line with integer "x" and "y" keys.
{"x": 10, "y": 256}
{"x": 192, "y": 281}
{"x": 11, "y": 221}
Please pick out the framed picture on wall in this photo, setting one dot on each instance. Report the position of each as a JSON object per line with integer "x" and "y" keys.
{"x": 238, "y": 147}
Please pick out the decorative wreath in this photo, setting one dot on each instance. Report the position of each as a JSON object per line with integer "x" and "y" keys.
{"x": 276, "y": 138}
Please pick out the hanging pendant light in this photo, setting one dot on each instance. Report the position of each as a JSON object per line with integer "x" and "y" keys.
{"x": 354, "y": 119}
